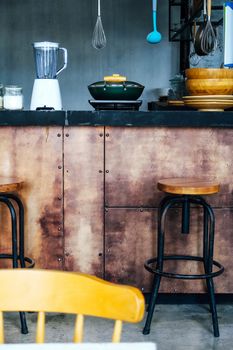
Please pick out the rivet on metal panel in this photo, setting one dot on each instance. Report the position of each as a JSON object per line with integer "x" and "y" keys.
{"x": 59, "y": 167}
{"x": 59, "y": 198}
{"x": 107, "y": 135}
{"x": 59, "y": 259}
{"x": 67, "y": 135}
{"x": 101, "y": 135}
{"x": 100, "y": 171}
{"x": 67, "y": 171}
{"x": 142, "y": 289}
{"x": 100, "y": 254}
{"x": 141, "y": 210}
{"x": 58, "y": 135}
{"x": 107, "y": 171}
{"x": 59, "y": 228}
{"x": 106, "y": 210}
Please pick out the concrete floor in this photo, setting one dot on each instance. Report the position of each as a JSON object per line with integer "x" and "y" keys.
{"x": 175, "y": 327}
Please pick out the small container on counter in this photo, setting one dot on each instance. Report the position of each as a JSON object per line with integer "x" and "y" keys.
{"x": 13, "y": 97}
{"x": 178, "y": 89}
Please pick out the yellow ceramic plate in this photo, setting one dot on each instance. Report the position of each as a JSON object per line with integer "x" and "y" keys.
{"x": 176, "y": 103}
{"x": 209, "y": 97}
{"x": 210, "y": 106}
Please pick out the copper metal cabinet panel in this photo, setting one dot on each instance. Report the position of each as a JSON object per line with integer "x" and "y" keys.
{"x": 223, "y": 248}
{"x": 34, "y": 154}
{"x": 131, "y": 239}
{"x": 83, "y": 204}
{"x": 137, "y": 157}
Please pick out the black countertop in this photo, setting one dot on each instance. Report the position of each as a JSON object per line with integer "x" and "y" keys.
{"x": 117, "y": 118}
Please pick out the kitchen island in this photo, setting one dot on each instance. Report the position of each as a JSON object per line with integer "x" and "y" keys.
{"x": 90, "y": 187}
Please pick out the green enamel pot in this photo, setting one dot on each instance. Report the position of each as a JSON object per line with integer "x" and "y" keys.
{"x": 116, "y": 90}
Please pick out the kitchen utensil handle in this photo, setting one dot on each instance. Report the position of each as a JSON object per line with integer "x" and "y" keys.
{"x": 204, "y": 8}
{"x": 154, "y": 4}
{"x": 194, "y": 32}
{"x": 99, "y": 13}
{"x": 65, "y": 56}
{"x": 209, "y": 3}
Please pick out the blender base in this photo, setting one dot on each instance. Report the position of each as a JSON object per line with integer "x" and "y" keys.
{"x": 46, "y": 95}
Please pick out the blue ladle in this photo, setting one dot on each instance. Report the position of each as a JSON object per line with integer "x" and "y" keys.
{"x": 154, "y": 37}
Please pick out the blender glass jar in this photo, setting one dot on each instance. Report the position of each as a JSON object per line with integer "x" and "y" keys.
{"x": 13, "y": 97}
{"x": 46, "y": 59}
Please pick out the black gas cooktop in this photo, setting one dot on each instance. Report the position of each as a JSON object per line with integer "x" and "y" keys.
{"x": 102, "y": 105}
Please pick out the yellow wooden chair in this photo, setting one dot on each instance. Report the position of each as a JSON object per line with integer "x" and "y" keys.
{"x": 67, "y": 292}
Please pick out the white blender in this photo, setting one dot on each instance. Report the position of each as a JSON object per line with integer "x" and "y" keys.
{"x": 46, "y": 92}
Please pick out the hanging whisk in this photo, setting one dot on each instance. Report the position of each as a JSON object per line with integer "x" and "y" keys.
{"x": 208, "y": 40}
{"x": 99, "y": 39}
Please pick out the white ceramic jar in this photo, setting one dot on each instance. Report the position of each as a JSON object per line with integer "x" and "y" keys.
{"x": 13, "y": 97}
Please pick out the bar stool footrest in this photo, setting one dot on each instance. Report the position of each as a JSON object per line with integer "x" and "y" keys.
{"x": 30, "y": 262}
{"x": 156, "y": 271}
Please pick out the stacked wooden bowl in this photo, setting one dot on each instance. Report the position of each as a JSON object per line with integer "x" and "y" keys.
{"x": 209, "y": 81}
{"x": 209, "y": 88}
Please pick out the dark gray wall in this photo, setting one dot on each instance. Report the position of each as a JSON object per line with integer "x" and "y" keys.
{"x": 71, "y": 23}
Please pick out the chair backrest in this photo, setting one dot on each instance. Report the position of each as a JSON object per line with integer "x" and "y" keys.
{"x": 67, "y": 292}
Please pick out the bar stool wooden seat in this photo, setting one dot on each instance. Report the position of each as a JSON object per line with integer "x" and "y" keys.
{"x": 188, "y": 186}
{"x": 9, "y": 188}
{"x": 184, "y": 192}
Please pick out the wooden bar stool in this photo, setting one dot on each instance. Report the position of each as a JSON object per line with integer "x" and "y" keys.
{"x": 8, "y": 189}
{"x": 185, "y": 191}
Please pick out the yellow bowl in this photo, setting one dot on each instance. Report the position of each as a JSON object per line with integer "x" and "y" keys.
{"x": 197, "y": 87}
{"x": 209, "y": 73}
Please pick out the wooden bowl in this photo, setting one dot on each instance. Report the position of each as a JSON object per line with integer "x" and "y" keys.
{"x": 197, "y": 87}
{"x": 209, "y": 73}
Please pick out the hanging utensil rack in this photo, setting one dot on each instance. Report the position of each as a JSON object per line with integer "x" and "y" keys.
{"x": 186, "y": 19}
{"x": 182, "y": 32}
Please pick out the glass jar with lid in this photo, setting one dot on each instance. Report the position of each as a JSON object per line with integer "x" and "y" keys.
{"x": 178, "y": 86}
{"x": 13, "y": 97}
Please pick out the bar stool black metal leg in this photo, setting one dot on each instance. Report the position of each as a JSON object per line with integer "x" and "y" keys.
{"x": 24, "y": 329}
{"x": 209, "y": 223}
{"x": 154, "y": 295}
{"x": 209, "y": 281}
{"x": 185, "y": 215}
{"x": 23, "y": 321}
{"x": 210, "y": 286}
{"x": 21, "y": 228}
{"x": 159, "y": 266}
{"x": 11, "y": 208}
{"x": 160, "y": 210}
{"x": 206, "y": 247}
{"x": 205, "y": 238}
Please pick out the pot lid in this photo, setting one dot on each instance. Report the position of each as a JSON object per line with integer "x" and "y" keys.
{"x": 115, "y": 78}
{"x": 45, "y": 44}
